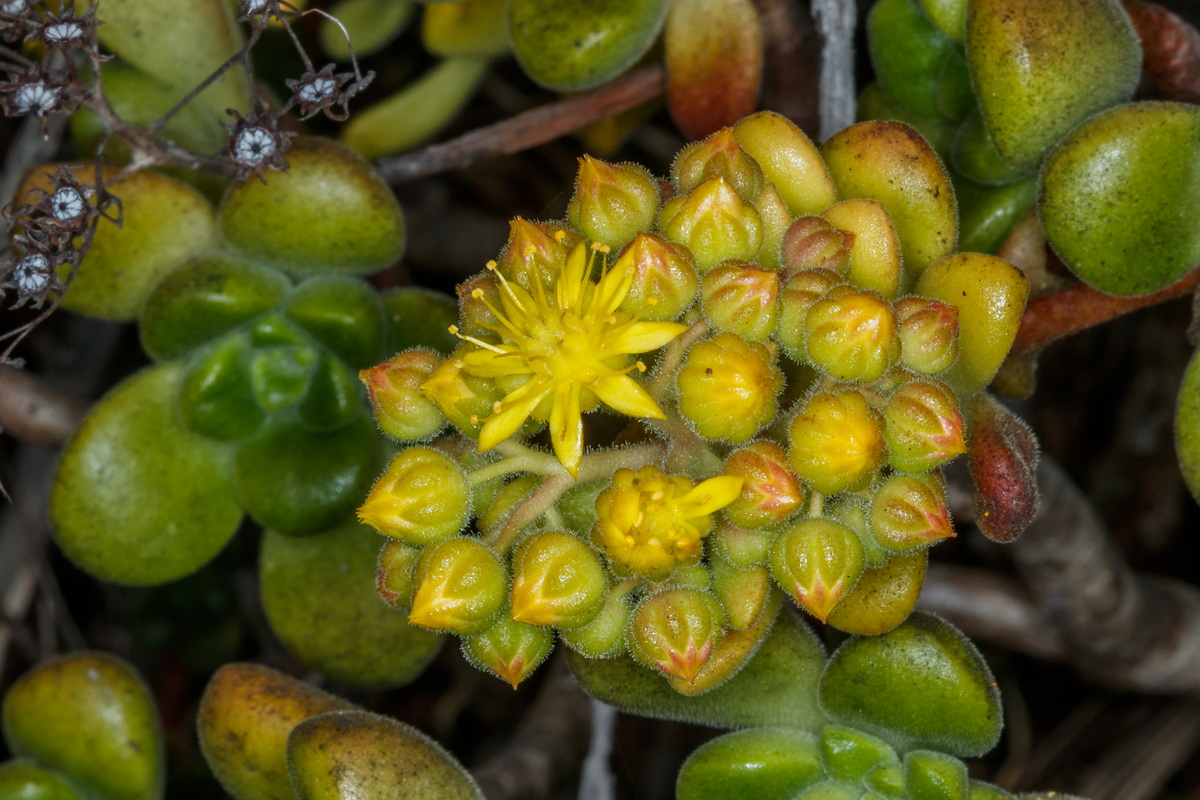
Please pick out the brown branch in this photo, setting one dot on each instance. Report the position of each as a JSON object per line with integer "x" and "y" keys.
{"x": 1172, "y": 50}
{"x": 1122, "y": 629}
{"x": 1053, "y": 315}
{"x": 33, "y": 412}
{"x": 527, "y": 129}
{"x": 548, "y": 745}
{"x": 992, "y": 608}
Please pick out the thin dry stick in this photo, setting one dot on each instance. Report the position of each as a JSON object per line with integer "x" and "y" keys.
{"x": 33, "y": 412}
{"x": 528, "y": 129}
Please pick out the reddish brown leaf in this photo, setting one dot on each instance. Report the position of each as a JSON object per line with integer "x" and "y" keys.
{"x": 1172, "y": 50}
{"x": 1002, "y": 456}
{"x": 714, "y": 56}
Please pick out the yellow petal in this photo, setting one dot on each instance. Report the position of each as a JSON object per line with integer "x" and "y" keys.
{"x": 572, "y": 281}
{"x": 515, "y": 409}
{"x": 641, "y": 337}
{"x": 708, "y": 496}
{"x": 566, "y": 426}
{"x": 484, "y": 363}
{"x": 622, "y": 393}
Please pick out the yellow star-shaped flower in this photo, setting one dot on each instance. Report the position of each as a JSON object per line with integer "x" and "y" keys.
{"x": 574, "y": 348}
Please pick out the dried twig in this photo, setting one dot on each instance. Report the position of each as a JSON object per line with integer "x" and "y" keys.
{"x": 528, "y": 129}
{"x": 1172, "y": 50}
{"x": 547, "y": 746}
{"x": 33, "y": 412}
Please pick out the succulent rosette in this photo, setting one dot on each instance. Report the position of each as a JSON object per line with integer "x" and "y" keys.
{"x": 690, "y": 398}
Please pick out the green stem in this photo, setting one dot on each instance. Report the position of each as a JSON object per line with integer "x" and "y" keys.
{"x": 517, "y": 458}
{"x": 817, "y": 506}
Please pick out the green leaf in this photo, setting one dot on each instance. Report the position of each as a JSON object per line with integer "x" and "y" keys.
{"x": 300, "y": 482}
{"x": 92, "y": 718}
{"x": 139, "y": 498}
{"x": 335, "y": 396}
{"x": 776, "y": 687}
{"x": 203, "y": 300}
{"x": 1187, "y": 426}
{"x": 420, "y": 317}
{"x": 342, "y": 313}
{"x": 319, "y": 595}
{"x": 907, "y": 51}
{"x": 23, "y": 779}
{"x": 345, "y": 754}
{"x": 922, "y": 684}
{"x": 371, "y": 24}
{"x": 217, "y": 398}
{"x": 763, "y": 763}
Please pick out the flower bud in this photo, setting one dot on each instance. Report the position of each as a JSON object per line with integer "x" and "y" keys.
{"x": 664, "y": 278}
{"x": 477, "y": 297}
{"x": 613, "y": 202}
{"x": 422, "y": 498}
{"x": 691, "y": 576}
{"x": 394, "y": 576}
{"x": 510, "y": 495}
{"x": 742, "y": 299}
{"x": 509, "y": 650}
{"x": 817, "y": 561}
{"x": 852, "y": 335}
{"x": 851, "y": 755}
{"x": 558, "y": 581}
{"x": 535, "y": 251}
{"x": 460, "y": 586}
{"x": 776, "y": 218}
{"x": 800, "y": 292}
{"x": 465, "y": 399}
{"x": 742, "y": 592}
{"x": 604, "y": 636}
{"x": 909, "y": 511}
{"x": 740, "y": 547}
{"x": 394, "y": 387}
{"x": 813, "y": 243}
{"x": 728, "y": 387}
{"x": 836, "y": 442}
{"x": 675, "y": 631}
{"x": 883, "y": 597}
{"x": 771, "y": 491}
{"x": 928, "y": 332}
{"x": 923, "y": 426}
{"x": 649, "y": 523}
{"x": 714, "y": 223}
{"x": 718, "y": 156}
{"x": 854, "y": 512}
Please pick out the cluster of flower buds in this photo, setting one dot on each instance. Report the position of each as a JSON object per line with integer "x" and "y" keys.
{"x": 778, "y": 406}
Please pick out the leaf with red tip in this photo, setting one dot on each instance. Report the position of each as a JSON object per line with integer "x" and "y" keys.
{"x": 1002, "y": 456}
{"x": 714, "y": 63}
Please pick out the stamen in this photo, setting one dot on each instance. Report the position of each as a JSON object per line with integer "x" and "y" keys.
{"x": 454, "y": 330}
{"x": 504, "y": 285}
{"x": 560, "y": 235}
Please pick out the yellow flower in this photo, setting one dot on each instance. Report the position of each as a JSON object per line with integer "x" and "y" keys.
{"x": 567, "y": 345}
{"x": 651, "y": 522}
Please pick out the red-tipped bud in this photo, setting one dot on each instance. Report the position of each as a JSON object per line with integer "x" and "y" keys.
{"x": 558, "y": 581}
{"x": 509, "y": 650}
{"x": 718, "y": 156}
{"x": 675, "y": 631}
{"x": 771, "y": 491}
{"x": 800, "y": 292}
{"x": 836, "y": 442}
{"x": 908, "y": 512}
{"x": 422, "y": 498}
{"x": 923, "y": 426}
{"x": 742, "y": 299}
{"x": 813, "y": 243}
{"x": 817, "y": 561}
{"x": 852, "y": 335}
{"x": 1003, "y": 461}
{"x": 394, "y": 577}
{"x": 928, "y": 332}
{"x": 535, "y": 251}
{"x": 460, "y": 586}
{"x": 664, "y": 278}
{"x": 728, "y": 387}
{"x": 613, "y": 202}
{"x": 742, "y": 592}
{"x": 394, "y": 387}
{"x": 714, "y": 223}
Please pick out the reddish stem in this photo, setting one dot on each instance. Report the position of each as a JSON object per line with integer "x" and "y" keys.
{"x": 1052, "y": 316}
